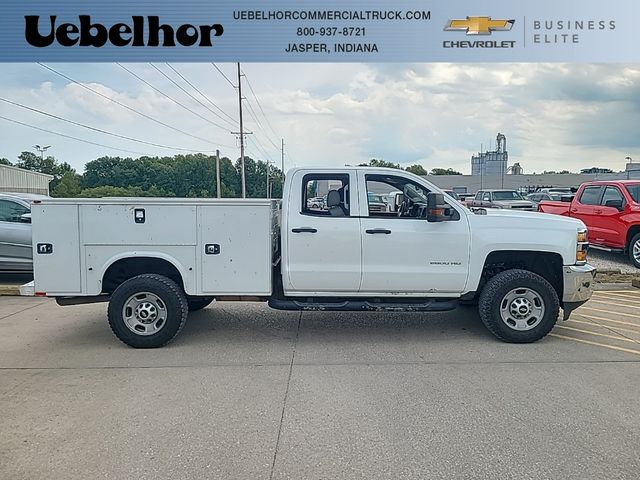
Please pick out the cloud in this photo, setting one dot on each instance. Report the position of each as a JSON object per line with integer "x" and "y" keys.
{"x": 334, "y": 114}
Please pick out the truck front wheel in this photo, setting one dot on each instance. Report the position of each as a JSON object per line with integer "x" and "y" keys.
{"x": 519, "y": 306}
{"x": 147, "y": 311}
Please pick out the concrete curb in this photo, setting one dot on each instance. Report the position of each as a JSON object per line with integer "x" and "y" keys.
{"x": 10, "y": 290}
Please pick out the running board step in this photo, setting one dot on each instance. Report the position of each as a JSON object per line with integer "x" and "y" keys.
{"x": 435, "y": 305}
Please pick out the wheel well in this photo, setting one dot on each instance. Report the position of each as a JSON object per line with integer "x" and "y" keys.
{"x": 546, "y": 264}
{"x": 632, "y": 233}
{"x": 127, "y": 268}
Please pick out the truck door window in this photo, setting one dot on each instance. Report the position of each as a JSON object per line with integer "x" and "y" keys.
{"x": 11, "y": 211}
{"x": 412, "y": 203}
{"x": 486, "y": 197}
{"x": 326, "y": 195}
{"x": 611, "y": 193}
{"x": 478, "y": 196}
{"x": 591, "y": 196}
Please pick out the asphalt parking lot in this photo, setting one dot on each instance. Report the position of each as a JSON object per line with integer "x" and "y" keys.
{"x": 250, "y": 393}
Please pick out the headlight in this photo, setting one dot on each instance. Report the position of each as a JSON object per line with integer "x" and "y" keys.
{"x": 582, "y": 247}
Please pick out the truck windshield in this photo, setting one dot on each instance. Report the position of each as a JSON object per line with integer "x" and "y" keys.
{"x": 506, "y": 196}
{"x": 634, "y": 191}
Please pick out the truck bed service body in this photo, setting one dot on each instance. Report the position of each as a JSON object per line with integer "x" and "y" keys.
{"x": 153, "y": 260}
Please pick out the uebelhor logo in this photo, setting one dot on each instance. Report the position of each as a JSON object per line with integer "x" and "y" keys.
{"x": 139, "y": 33}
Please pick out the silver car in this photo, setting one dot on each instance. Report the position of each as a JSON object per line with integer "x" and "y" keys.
{"x": 15, "y": 231}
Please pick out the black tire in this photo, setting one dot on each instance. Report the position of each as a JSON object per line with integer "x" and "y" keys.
{"x": 198, "y": 303}
{"x": 503, "y": 284}
{"x": 634, "y": 241}
{"x": 170, "y": 299}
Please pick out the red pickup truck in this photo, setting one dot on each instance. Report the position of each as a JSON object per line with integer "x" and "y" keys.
{"x": 611, "y": 212}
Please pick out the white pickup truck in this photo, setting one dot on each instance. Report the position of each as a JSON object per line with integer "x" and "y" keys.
{"x": 153, "y": 260}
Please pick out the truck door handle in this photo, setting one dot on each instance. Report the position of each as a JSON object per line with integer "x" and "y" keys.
{"x": 378, "y": 230}
{"x": 574, "y": 209}
{"x": 304, "y": 230}
{"x": 598, "y": 211}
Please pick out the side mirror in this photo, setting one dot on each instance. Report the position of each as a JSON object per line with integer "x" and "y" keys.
{"x": 25, "y": 218}
{"x": 437, "y": 208}
{"x": 617, "y": 204}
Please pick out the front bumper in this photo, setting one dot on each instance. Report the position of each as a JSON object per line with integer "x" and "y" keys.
{"x": 578, "y": 287}
{"x": 578, "y": 283}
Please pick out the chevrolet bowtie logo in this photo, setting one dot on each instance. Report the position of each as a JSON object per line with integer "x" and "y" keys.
{"x": 479, "y": 25}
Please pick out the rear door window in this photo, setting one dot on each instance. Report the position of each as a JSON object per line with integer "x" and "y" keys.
{"x": 591, "y": 196}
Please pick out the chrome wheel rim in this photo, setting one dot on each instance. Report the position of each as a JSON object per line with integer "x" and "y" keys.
{"x": 144, "y": 313}
{"x": 522, "y": 309}
{"x": 636, "y": 251}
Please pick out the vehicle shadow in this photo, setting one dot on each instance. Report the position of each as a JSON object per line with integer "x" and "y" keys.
{"x": 238, "y": 322}
{"x": 248, "y": 326}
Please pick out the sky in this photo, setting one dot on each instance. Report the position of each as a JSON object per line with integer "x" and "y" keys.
{"x": 555, "y": 116}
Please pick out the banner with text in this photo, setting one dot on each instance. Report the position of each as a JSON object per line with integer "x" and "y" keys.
{"x": 320, "y": 31}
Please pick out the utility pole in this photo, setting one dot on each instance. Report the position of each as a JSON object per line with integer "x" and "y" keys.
{"x": 267, "y": 194}
{"x": 481, "y": 167}
{"x": 282, "y": 160}
{"x": 218, "y": 188}
{"x": 244, "y": 185}
{"x": 241, "y": 134}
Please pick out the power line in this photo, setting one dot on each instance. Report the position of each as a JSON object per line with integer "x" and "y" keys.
{"x": 260, "y": 106}
{"x": 124, "y": 105}
{"x": 225, "y": 77}
{"x": 261, "y": 149}
{"x": 259, "y": 124}
{"x": 95, "y": 129}
{"x": 71, "y": 137}
{"x": 233, "y": 122}
{"x": 167, "y": 96}
{"x": 194, "y": 98}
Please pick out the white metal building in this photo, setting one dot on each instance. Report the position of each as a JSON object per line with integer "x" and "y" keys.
{"x": 14, "y": 179}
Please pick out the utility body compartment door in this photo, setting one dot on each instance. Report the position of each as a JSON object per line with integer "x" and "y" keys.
{"x": 56, "y": 249}
{"x": 235, "y": 247}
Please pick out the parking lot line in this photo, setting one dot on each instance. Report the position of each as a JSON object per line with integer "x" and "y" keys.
{"x": 614, "y": 337}
{"x": 603, "y": 326}
{"x": 607, "y": 302}
{"x": 594, "y": 317}
{"x": 589, "y": 342}
{"x": 619, "y": 296}
{"x": 610, "y": 312}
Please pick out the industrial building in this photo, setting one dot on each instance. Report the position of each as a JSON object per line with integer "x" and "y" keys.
{"x": 491, "y": 162}
{"x": 18, "y": 180}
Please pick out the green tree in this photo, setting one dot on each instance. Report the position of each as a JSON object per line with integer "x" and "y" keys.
{"x": 68, "y": 186}
{"x": 111, "y": 191}
{"x": 374, "y": 162}
{"x": 4, "y": 161}
{"x": 48, "y": 165}
{"x": 444, "y": 171}
{"x": 417, "y": 169}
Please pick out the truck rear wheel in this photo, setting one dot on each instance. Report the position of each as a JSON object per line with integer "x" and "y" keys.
{"x": 519, "y": 306}
{"x": 634, "y": 250}
{"x": 147, "y": 311}
{"x": 198, "y": 303}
